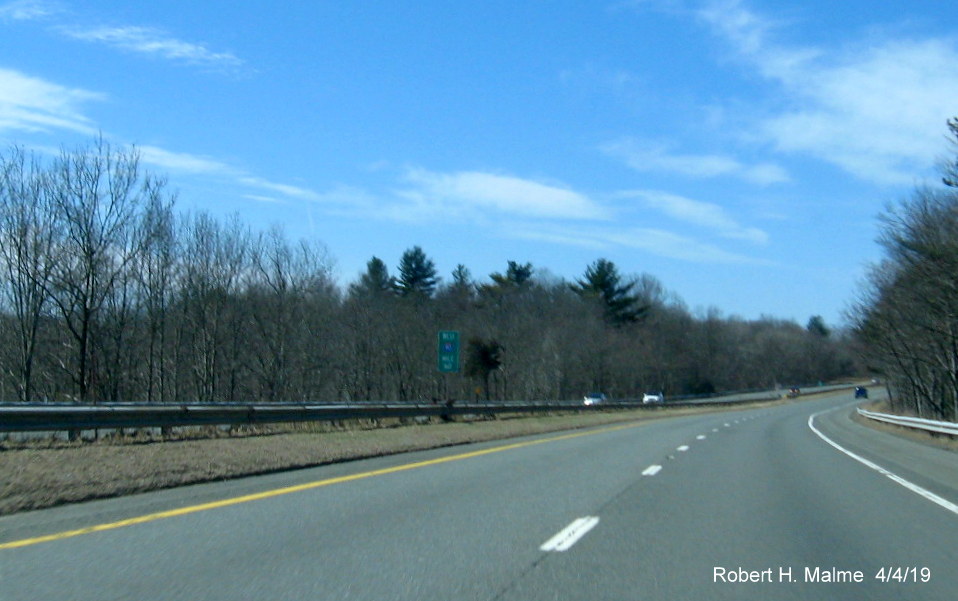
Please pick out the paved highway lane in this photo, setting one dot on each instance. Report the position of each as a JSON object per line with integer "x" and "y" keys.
{"x": 643, "y": 511}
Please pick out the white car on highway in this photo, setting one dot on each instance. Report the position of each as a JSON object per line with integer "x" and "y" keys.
{"x": 594, "y": 398}
{"x": 653, "y": 397}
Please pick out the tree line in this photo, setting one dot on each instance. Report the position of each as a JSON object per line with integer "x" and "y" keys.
{"x": 906, "y": 316}
{"x": 110, "y": 295}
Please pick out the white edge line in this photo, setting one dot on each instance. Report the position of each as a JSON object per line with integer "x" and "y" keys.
{"x": 945, "y": 503}
{"x": 569, "y": 535}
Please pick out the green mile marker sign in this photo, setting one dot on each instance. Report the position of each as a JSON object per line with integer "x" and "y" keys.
{"x": 448, "y": 351}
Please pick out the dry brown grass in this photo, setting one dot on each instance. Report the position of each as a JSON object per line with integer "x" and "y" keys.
{"x": 42, "y": 474}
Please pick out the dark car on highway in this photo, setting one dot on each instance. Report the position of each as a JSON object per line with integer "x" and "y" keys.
{"x": 861, "y": 392}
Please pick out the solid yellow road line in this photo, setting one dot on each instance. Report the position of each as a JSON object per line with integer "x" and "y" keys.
{"x": 152, "y": 517}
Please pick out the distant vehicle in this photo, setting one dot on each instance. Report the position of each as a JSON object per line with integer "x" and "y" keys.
{"x": 861, "y": 392}
{"x": 793, "y": 393}
{"x": 653, "y": 397}
{"x": 593, "y": 398}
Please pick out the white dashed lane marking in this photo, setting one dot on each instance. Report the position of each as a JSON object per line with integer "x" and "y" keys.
{"x": 652, "y": 470}
{"x": 569, "y": 535}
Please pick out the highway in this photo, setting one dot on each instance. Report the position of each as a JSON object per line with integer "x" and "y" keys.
{"x": 747, "y": 504}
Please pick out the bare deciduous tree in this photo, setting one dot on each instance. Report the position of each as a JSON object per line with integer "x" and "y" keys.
{"x": 28, "y": 251}
{"x": 98, "y": 194}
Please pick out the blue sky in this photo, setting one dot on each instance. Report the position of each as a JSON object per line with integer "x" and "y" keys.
{"x": 739, "y": 151}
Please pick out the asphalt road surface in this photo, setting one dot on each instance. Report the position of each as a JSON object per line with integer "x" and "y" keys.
{"x": 749, "y": 504}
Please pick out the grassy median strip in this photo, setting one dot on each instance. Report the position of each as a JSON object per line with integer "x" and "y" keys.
{"x": 37, "y": 476}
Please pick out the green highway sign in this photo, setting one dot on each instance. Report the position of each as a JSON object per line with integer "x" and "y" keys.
{"x": 448, "y": 351}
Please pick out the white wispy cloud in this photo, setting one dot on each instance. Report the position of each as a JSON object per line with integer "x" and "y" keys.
{"x": 183, "y": 162}
{"x": 33, "y": 104}
{"x": 149, "y": 41}
{"x": 472, "y": 192}
{"x": 288, "y": 190}
{"x": 702, "y": 214}
{"x": 154, "y": 42}
{"x": 876, "y": 110}
{"x": 879, "y": 115}
{"x": 552, "y": 213}
{"x": 656, "y": 157}
{"x": 27, "y": 10}
{"x": 191, "y": 164}
{"x": 264, "y": 199}
{"x": 654, "y": 241}
{"x": 676, "y": 246}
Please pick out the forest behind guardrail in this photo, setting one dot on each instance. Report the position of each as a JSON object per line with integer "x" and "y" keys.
{"x": 107, "y": 294}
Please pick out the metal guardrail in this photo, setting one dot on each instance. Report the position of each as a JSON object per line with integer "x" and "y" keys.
{"x": 912, "y": 422}
{"x": 36, "y": 418}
